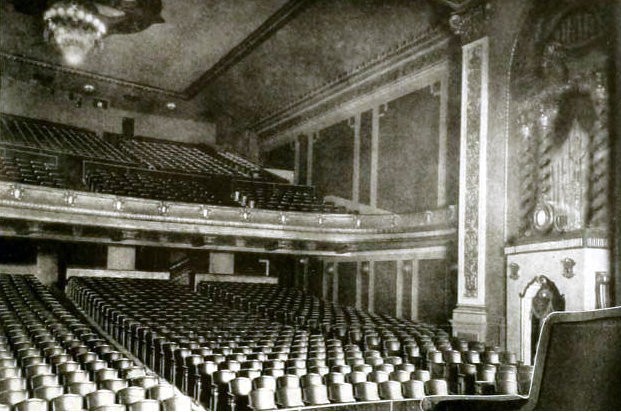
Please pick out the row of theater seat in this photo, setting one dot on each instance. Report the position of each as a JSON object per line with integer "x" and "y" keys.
{"x": 245, "y": 183}
{"x": 52, "y": 360}
{"x": 231, "y": 354}
{"x": 174, "y": 156}
{"x": 281, "y": 197}
{"x": 137, "y": 183}
{"x": 36, "y": 134}
{"x": 31, "y": 171}
{"x": 468, "y": 367}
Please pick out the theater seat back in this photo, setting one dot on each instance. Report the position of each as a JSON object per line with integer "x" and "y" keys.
{"x": 578, "y": 362}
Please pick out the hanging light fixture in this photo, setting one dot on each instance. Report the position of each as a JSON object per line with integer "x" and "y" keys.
{"x": 74, "y": 28}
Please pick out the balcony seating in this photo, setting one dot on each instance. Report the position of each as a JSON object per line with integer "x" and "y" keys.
{"x": 146, "y": 184}
{"x": 23, "y": 132}
{"x": 32, "y": 170}
{"x": 31, "y": 149}
{"x": 277, "y": 196}
{"x": 54, "y": 361}
{"x": 172, "y": 156}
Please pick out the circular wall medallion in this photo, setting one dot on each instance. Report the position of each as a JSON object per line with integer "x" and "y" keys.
{"x": 543, "y": 217}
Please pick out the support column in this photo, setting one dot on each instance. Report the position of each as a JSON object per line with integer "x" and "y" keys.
{"x": 222, "y": 263}
{"x": 121, "y": 257}
{"x": 309, "y": 158}
{"x": 358, "y": 285}
{"x": 47, "y": 264}
{"x": 355, "y": 197}
{"x": 414, "y": 291}
{"x": 375, "y": 129}
{"x": 371, "y": 291}
{"x": 335, "y": 284}
{"x": 470, "y": 315}
{"x": 326, "y": 280}
{"x": 399, "y": 290}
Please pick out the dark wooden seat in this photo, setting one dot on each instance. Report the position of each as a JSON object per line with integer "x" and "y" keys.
{"x": 576, "y": 367}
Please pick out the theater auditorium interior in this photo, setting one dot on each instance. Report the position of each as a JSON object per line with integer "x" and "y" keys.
{"x": 310, "y": 205}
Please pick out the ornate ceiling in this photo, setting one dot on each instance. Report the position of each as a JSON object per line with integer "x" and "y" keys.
{"x": 239, "y": 58}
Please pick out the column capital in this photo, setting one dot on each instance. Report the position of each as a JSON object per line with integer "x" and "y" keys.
{"x": 471, "y": 23}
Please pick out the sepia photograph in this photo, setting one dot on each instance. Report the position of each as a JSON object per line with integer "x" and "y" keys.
{"x": 310, "y": 205}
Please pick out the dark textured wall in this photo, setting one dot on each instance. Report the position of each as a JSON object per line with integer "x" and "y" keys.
{"x": 408, "y": 153}
{"x": 281, "y": 157}
{"x": 364, "y": 194}
{"x": 432, "y": 291}
{"x": 347, "y": 283}
{"x": 333, "y": 161}
{"x": 385, "y": 286}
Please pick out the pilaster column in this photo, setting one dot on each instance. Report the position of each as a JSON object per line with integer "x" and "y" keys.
{"x": 47, "y": 264}
{"x": 121, "y": 257}
{"x": 470, "y": 315}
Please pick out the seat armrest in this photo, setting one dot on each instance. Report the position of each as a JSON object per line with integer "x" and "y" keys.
{"x": 472, "y": 402}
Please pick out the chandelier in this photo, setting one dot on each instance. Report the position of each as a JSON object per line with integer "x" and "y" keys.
{"x": 74, "y": 28}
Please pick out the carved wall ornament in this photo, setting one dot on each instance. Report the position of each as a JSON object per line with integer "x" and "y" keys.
{"x": 331, "y": 268}
{"x": 565, "y": 163}
{"x": 514, "y": 271}
{"x": 320, "y": 220}
{"x": 568, "y": 267}
{"x": 245, "y": 214}
{"x": 357, "y": 222}
{"x": 205, "y": 211}
{"x": 69, "y": 197}
{"x": 17, "y": 192}
{"x": 163, "y": 208}
{"x": 118, "y": 204}
{"x": 283, "y": 218}
{"x": 471, "y": 23}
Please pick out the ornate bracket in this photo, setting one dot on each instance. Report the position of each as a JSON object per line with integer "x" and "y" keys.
{"x": 470, "y": 23}
{"x": 568, "y": 267}
{"x": 514, "y": 271}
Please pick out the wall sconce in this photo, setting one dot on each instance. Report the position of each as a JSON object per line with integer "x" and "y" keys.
{"x": 568, "y": 267}
{"x": 407, "y": 267}
{"x": 365, "y": 267}
{"x": 330, "y": 269}
{"x": 603, "y": 298}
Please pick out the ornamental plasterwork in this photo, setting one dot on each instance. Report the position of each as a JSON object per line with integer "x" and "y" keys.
{"x": 473, "y": 61}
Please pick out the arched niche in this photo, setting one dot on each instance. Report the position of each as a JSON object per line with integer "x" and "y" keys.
{"x": 558, "y": 117}
{"x": 539, "y": 298}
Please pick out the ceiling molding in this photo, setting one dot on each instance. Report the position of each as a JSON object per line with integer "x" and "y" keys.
{"x": 15, "y": 58}
{"x": 256, "y": 38}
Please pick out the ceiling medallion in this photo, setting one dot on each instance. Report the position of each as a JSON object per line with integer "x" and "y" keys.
{"x": 74, "y": 28}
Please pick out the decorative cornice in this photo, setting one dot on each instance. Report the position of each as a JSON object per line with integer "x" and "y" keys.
{"x": 49, "y": 205}
{"x": 274, "y": 23}
{"x": 332, "y": 91}
{"x": 9, "y": 57}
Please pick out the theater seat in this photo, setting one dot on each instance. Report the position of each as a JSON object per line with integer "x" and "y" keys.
{"x": 576, "y": 368}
